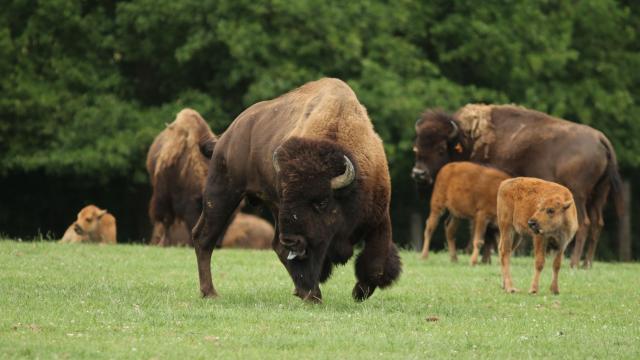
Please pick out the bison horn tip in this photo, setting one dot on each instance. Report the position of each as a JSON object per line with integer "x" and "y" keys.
{"x": 346, "y": 178}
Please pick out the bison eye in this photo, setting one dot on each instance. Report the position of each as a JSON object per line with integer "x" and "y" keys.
{"x": 89, "y": 219}
{"x": 320, "y": 205}
{"x": 550, "y": 212}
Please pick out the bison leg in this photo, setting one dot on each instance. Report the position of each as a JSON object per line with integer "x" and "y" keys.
{"x": 538, "y": 251}
{"x": 219, "y": 204}
{"x": 596, "y": 228}
{"x": 378, "y": 265}
{"x": 556, "y": 269}
{"x": 480, "y": 227}
{"x": 451, "y": 227}
{"x": 506, "y": 242}
{"x": 581, "y": 234}
{"x": 430, "y": 227}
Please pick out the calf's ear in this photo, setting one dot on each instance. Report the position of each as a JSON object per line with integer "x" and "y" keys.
{"x": 566, "y": 205}
{"x": 101, "y": 213}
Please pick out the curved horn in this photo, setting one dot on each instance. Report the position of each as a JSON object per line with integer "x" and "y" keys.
{"x": 274, "y": 160}
{"x": 455, "y": 131}
{"x": 345, "y": 179}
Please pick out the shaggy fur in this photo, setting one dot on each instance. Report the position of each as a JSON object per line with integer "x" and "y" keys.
{"x": 542, "y": 209}
{"x": 92, "y": 225}
{"x": 469, "y": 191}
{"x": 529, "y": 143}
{"x": 178, "y": 169}
{"x": 306, "y": 134}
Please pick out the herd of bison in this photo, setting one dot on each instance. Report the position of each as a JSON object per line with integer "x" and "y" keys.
{"x": 312, "y": 157}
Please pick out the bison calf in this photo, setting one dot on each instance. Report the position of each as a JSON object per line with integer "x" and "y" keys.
{"x": 467, "y": 191}
{"x": 92, "y": 225}
{"x": 542, "y": 209}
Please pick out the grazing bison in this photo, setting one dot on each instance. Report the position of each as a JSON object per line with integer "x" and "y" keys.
{"x": 466, "y": 190}
{"x": 245, "y": 232}
{"x": 313, "y": 157}
{"x": 92, "y": 225}
{"x": 177, "y": 164}
{"x": 524, "y": 142}
{"x": 542, "y": 209}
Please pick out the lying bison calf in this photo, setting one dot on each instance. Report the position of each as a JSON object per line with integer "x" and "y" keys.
{"x": 542, "y": 209}
{"x": 93, "y": 225}
{"x": 245, "y": 232}
{"x": 467, "y": 191}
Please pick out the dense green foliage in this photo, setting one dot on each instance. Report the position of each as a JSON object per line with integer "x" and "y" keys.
{"x": 86, "y": 84}
{"x": 85, "y": 301}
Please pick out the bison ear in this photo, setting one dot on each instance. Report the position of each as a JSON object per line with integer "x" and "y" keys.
{"x": 566, "y": 205}
{"x": 101, "y": 213}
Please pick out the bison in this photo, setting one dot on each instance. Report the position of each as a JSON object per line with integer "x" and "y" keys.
{"x": 542, "y": 209}
{"x": 313, "y": 157}
{"x": 245, "y": 232}
{"x": 525, "y": 142}
{"x": 92, "y": 225}
{"x": 177, "y": 164}
{"x": 466, "y": 190}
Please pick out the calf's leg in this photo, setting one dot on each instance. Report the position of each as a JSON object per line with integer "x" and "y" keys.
{"x": 556, "y": 269}
{"x": 538, "y": 251}
{"x": 480, "y": 227}
{"x": 431, "y": 224}
{"x": 506, "y": 241}
{"x": 451, "y": 227}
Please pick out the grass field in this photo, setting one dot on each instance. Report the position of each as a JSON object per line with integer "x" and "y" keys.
{"x": 87, "y": 301}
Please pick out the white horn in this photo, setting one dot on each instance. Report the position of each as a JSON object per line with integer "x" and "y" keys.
{"x": 454, "y": 132}
{"x": 345, "y": 179}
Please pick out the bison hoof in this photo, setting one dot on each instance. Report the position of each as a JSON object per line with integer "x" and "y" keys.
{"x": 209, "y": 294}
{"x": 454, "y": 259}
{"x": 511, "y": 290}
{"x": 362, "y": 291}
{"x": 424, "y": 256}
{"x": 586, "y": 265}
{"x": 533, "y": 291}
{"x": 555, "y": 291}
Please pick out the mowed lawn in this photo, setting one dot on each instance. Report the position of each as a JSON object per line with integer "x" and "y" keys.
{"x": 133, "y": 301}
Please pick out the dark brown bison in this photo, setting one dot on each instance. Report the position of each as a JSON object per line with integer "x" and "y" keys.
{"x": 313, "y": 157}
{"x": 524, "y": 142}
{"x": 177, "y": 165}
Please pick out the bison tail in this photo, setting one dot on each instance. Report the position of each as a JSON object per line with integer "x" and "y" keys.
{"x": 614, "y": 177}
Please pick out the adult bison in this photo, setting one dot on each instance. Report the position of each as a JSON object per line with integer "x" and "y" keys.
{"x": 313, "y": 157}
{"x": 524, "y": 142}
{"x": 177, "y": 164}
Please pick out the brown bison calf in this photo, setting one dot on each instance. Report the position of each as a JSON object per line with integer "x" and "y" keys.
{"x": 542, "y": 209}
{"x": 467, "y": 191}
{"x": 93, "y": 225}
{"x": 245, "y": 232}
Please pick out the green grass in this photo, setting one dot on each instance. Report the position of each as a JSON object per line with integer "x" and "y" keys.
{"x": 87, "y": 301}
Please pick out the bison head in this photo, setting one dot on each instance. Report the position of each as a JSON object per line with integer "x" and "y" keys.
{"x": 88, "y": 219}
{"x": 316, "y": 182}
{"x": 436, "y": 136}
{"x": 550, "y": 214}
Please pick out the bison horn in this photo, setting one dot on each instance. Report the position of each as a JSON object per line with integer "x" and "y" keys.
{"x": 345, "y": 179}
{"x": 455, "y": 131}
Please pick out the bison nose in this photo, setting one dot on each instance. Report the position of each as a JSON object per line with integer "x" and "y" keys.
{"x": 295, "y": 244}
{"x": 533, "y": 224}
{"x": 420, "y": 175}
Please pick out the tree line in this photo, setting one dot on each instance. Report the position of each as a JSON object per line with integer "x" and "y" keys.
{"x": 86, "y": 85}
